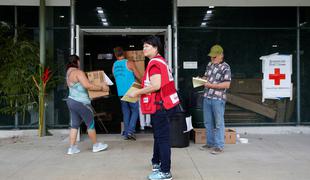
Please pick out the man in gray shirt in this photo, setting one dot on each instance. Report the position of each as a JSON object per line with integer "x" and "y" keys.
{"x": 218, "y": 75}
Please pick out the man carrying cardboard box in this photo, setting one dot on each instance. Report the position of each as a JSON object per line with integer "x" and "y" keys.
{"x": 125, "y": 72}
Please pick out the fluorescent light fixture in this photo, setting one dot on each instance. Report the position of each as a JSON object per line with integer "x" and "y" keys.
{"x": 211, "y": 7}
{"x": 132, "y": 46}
{"x": 274, "y": 45}
{"x": 99, "y": 10}
{"x": 61, "y": 16}
{"x": 87, "y": 54}
{"x": 101, "y": 16}
{"x": 203, "y": 24}
{"x": 209, "y": 12}
{"x": 303, "y": 23}
{"x": 207, "y": 17}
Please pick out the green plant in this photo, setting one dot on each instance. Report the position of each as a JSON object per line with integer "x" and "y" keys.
{"x": 18, "y": 60}
{"x": 41, "y": 83}
{"x": 19, "y": 68}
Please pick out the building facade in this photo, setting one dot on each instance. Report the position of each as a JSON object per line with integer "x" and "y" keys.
{"x": 188, "y": 29}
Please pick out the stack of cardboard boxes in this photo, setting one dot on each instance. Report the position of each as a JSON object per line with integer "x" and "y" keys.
{"x": 138, "y": 58}
{"x": 134, "y": 55}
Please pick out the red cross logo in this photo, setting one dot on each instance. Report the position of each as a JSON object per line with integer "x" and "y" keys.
{"x": 276, "y": 76}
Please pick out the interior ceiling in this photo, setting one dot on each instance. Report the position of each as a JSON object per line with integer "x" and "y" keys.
{"x": 158, "y": 14}
{"x": 131, "y": 13}
{"x": 125, "y": 12}
{"x": 239, "y": 16}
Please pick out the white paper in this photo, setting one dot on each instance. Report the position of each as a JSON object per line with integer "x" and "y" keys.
{"x": 190, "y": 65}
{"x": 189, "y": 125}
{"x": 198, "y": 81}
{"x": 108, "y": 80}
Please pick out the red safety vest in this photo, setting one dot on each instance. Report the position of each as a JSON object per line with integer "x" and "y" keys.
{"x": 167, "y": 89}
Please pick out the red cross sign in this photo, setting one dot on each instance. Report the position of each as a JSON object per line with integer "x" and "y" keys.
{"x": 276, "y": 76}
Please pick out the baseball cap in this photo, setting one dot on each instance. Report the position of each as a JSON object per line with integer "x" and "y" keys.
{"x": 215, "y": 50}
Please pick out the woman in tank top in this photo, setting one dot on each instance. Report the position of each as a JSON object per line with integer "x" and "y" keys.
{"x": 79, "y": 104}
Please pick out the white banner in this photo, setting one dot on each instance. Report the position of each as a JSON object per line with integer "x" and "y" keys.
{"x": 277, "y": 70}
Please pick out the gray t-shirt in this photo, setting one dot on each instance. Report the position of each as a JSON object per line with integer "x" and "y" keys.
{"x": 217, "y": 73}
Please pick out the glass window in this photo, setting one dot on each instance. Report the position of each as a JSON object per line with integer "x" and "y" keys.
{"x": 28, "y": 16}
{"x": 6, "y": 120}
{"x": 305, "y": 17}
{"x": 237, "y": 16}
{"x": 61, "y": 16}
{"x": 61, "y": 53}
{"x": 124, "y": 13}
{"x": 242, "y": 49}
{"x": 304, "y": 74}
{"x": 304, "y": 63}
{"x": 7, "y": 14}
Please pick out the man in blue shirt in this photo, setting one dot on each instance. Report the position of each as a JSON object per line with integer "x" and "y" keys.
{"x": 125, "y": 73}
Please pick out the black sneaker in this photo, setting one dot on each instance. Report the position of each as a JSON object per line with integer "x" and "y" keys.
{"x": 132, "y": 137}
{"x": 205, "y": 147}
{"x": 126, "y": 138}
{"x": 217, "y": 151}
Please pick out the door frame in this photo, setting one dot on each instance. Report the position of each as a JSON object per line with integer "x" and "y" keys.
{"x": 166, "y": 32}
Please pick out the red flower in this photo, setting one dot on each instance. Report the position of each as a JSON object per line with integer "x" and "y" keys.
{"x": 46, "y": 75}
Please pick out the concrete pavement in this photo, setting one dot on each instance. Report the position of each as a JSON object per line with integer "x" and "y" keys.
{"x": 274, "y": 157}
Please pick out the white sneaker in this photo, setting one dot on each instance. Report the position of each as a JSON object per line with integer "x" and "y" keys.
{"x": 99, "y": 147}
{"x": 73, "y": 150}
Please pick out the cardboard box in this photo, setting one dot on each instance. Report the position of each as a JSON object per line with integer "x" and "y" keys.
{"x": 140, "y": 65}
{"x": 230, "y": 136}
{"x": 134, "y": 55}
{"x": 200, "y": 136}
{"x": 96, "y": 77}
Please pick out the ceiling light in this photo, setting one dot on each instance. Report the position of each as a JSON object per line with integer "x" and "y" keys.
{"x": 303, "y": 23}
{"x": 132, "y": 46}
{"x": 204, "y": 24}
{"x": 61, "y": 16}
{"x": 274, "y": 45}
{"x": 99, "y": 10}
{"x": 211, "y": 7}
{"x": 207, "y": 17}
{"x": 209, "y": 12}
{"x": 104, "y": 20}
{"x": 101, "y": 16}
{"x": 105, "y": 23}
